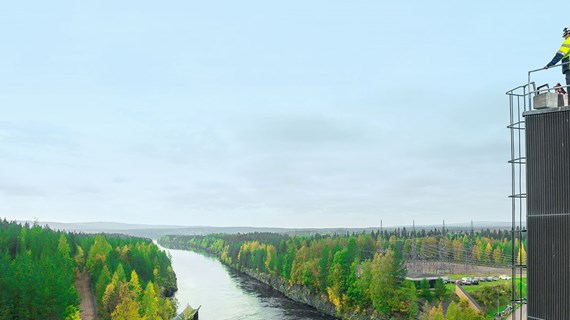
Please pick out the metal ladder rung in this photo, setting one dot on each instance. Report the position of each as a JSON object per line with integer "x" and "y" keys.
{"x": 516, "y": 125}
{"x": 520, "y": 160}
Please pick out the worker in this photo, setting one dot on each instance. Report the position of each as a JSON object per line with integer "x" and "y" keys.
{"x": 564, "y": 55}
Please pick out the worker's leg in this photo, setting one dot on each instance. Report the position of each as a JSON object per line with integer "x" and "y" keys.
{"x": 567, "y": 86}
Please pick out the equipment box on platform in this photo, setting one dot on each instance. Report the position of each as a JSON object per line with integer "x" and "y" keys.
{"x": 549, "y": 100}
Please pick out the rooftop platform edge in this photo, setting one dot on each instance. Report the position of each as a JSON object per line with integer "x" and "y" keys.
{"x": 545, "y": 110}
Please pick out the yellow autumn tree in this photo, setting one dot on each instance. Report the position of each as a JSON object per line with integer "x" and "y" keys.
{"x": 149, "y": 305}
{"x": 128, "y": 307}
{"x": 498, "y": 255}
{"x": 108, "y": 301}
{"x": 436, "y": 313}
{"x": 488, "y": 252}
{"x": 134, "y": 286}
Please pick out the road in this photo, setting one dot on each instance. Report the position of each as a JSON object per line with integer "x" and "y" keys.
{"x": 87, "y": 306}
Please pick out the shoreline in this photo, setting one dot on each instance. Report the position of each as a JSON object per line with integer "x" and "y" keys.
{"x": 296, "y": 293}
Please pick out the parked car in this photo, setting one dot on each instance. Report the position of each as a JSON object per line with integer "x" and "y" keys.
{"x": 504, "y": 277}
{"x": 481, "y": 279}
{"x": 492, "y": 278}
{"x": 475, "y": 281}
{"x": 466, "y": 281}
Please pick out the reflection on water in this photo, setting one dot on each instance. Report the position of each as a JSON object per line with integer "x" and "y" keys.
{"x": 225, "y": 294}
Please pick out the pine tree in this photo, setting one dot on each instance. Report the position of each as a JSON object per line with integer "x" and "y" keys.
{"x": 407, "y": 297}
{"x": 425, "y": 291}
{"x": 440, "y": 291}
{"x": 149, "y": 305}
{"x": 135, "y": 287}
{"x": 101, "y": 284}
{"x": 98, "y": 253}
{"x": 63, "y": 247}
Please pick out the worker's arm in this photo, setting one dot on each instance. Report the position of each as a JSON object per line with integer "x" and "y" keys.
{"x": 564, "y": 48}
{"x": 555, "y": 60}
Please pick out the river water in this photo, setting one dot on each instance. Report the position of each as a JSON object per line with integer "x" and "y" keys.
{"x": 225, "y": 294}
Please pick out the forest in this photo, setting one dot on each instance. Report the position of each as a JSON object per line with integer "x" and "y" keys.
{"x": 357, "y": 273}
{"x": 132, "y": 278}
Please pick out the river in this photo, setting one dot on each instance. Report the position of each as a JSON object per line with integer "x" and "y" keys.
{"x": 226, "y": 294}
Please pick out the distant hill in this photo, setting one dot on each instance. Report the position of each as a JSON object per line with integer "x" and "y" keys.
{"x": 467, "y": 225}
{"x": 157, "y": 231}
{"x": 98, "y": 226}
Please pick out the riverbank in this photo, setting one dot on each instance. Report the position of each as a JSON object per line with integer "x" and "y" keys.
{"x": 302, "y": 295}
{"x": 297, "y": 293}
{"x": 228, "y": 294}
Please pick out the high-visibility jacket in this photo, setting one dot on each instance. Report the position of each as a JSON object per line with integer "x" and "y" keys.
{"x": 562, "y": 54}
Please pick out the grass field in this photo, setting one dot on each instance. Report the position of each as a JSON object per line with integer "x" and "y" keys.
{"x": 477, "y": 287}
{"x": 471, "y": 289}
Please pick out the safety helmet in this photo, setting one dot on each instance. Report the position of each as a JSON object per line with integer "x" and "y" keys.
{"x": 566, "y": 32}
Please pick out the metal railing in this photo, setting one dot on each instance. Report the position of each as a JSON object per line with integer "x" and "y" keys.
{"x": 535, "y": 91}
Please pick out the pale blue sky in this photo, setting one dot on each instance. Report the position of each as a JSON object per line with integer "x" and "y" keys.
{"x": 263, "y": 113}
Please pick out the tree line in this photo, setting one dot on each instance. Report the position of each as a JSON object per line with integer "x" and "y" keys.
{"x": 132, "y": 278}
{"x": 357, "y": 273}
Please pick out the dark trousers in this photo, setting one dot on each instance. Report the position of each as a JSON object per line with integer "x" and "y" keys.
{"x": 567, "y": 74}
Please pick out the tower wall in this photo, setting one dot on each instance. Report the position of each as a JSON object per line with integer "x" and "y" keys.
{"x": 548, "y": 213}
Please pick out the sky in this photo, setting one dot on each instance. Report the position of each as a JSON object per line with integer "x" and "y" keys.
{"x": 263, "y": 113}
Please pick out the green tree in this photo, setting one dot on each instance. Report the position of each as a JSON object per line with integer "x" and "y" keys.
{"x": 323, "y": 268}
{"x": 72, "y": 313}
{"x": 340, "y": 271}
{"x": 288, "y": 260}
{"x": 440, "y": 291}
{"x": 452, "y": 312}
{"x": 407, "y": 296}
{"x": 98, "y": 253}
{"x": 425, "y": 291}
{"x": 466, "y": 313}
{"x": 102, "y": 282}
{"x": 149, "y": 305}
{"x": 356, "y": 292}
{"x": 119, "y": 275}
{"x": 63, "y": 247}
{"x": 384, "y": 283}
